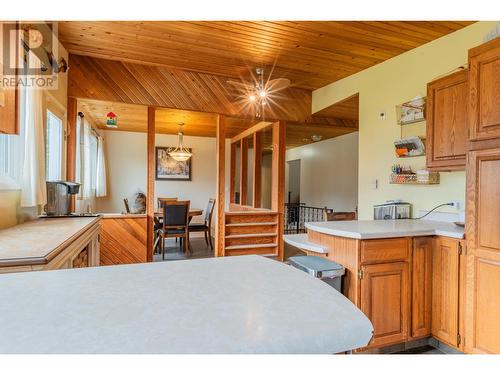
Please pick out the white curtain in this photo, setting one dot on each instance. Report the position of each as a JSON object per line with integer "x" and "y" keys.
{"x": 85, "y": 167}
{"x": 101, "y": 182}
{"x": 33, "y": 188}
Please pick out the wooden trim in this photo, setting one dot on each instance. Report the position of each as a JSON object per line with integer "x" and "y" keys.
{"x": 278, "y": 179}
{"x": 221, "y": 182}
{"x": 257, "y": 166}
{"x": 150, "y": 184}
{"x": 250, "y": 131}
{"x": 243, "y": 171}
{"x": 232, "y": 175}
{"x": 71, "y": 144}
{"x": 421, "y": 286}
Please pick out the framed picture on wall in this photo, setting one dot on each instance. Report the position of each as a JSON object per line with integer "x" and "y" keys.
{"x": 169, "y": 169}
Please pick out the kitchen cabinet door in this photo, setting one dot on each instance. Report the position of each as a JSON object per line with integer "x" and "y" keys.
{"x": 385, "y": 301}
{"x": 447, "y": 122}
{"x": 445, "y": 287}
{"x": 482, "y": 323}
{"x": 421, "y": 289}
{"x": 9, "y": 111}
{"x": 484, "y": 94}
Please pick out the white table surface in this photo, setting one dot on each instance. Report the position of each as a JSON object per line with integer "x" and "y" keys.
{"x": 245, "y": 304}
{"x": 371, "y": 229}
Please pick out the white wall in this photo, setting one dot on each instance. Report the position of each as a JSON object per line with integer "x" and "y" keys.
{"x": 329, "y": 172}
{"x": 127, "y": 163}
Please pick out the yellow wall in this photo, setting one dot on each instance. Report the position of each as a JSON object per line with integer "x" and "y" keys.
{"x": 381, "y": 88}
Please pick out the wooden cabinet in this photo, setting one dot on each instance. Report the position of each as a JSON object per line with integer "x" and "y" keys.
{"x": 385, "y": 301}
{"x": 9, "y": 111}
{"x": 482, "y": 323}
{"x": 421, "y": 287}
{"x": 446, "y": 290}
{"x": 447, "y": 122}
{"x": 385, "y": 288}
{"x": 484, "y": 95}
{"x": 79, "y": 249}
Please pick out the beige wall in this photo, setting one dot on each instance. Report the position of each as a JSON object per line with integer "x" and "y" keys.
{"x": 126, "y": 154}
{"x": 381, "y": 88}
{"x": 328, "y": 172}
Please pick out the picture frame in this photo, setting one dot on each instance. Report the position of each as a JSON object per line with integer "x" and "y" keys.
{"x": 169, "y": 169}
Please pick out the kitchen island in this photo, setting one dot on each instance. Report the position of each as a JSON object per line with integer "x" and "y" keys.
{"x": 407, "y": 276}
{"x": 245, "y": 304}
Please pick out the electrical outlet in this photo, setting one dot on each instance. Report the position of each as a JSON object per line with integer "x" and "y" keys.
{"x": 455, "y": 204}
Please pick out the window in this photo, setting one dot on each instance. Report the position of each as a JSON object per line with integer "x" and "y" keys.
{"x": 86, "y": 158}
{"x": 53, "y": 147}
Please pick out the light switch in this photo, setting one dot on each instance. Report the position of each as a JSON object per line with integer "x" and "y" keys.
{"x": 374, "y": 184}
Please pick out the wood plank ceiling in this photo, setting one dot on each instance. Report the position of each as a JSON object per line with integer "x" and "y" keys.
{"x": 185, "y": 66}
{"x": 310, "y": 53}
{"x": 133, "y": 118}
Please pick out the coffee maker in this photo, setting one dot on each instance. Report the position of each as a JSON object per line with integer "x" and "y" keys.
{"x": 59, "y": 196}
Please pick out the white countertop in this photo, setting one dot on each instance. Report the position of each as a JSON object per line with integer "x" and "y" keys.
{"x": 371, "y": 229}
{"x": 244, "y": 304}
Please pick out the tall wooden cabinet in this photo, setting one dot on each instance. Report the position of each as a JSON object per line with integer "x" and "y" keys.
{"x": 483, "y": 259}
{"x": 484, "y": 95}
{"x": 447, "y": 122}
{"x": 482, "y": 323}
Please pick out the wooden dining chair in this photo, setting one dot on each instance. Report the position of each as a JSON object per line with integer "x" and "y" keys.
{"x": 175, "y": 224}
{"x": 330, "y": 215}
{"x": 158, "y": 220}
{"x": 161, "y": 200}
{"x": 207, "y": 225}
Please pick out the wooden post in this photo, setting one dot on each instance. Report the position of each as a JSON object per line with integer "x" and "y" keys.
{"x": 278, "y": 180}
{"x": 71, "y": 144}
{"x": 221, "y": 182}
{"x": 243, "y": 171}
{"x": 257, "y": 169}
{"x": 232, "y": 175}
{"x": 150, "y": 187}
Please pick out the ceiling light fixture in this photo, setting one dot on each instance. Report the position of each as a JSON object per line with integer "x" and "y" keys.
{"x": 180, "y": 153}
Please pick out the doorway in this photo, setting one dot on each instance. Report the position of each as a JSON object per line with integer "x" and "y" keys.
{"x": 294, "y": 181}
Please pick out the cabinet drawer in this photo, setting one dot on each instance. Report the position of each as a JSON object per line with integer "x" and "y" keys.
{"x": 384, "y": 250}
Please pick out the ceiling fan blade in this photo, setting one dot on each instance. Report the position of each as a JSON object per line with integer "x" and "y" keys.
{"x": 278, "y": 84}
{"x": 241, "y": 85}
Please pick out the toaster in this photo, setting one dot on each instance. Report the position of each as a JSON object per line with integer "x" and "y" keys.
{"x": 391, "y": 210}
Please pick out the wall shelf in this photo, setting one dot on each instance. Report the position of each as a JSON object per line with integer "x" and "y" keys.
{"x": 411, "y": 179}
